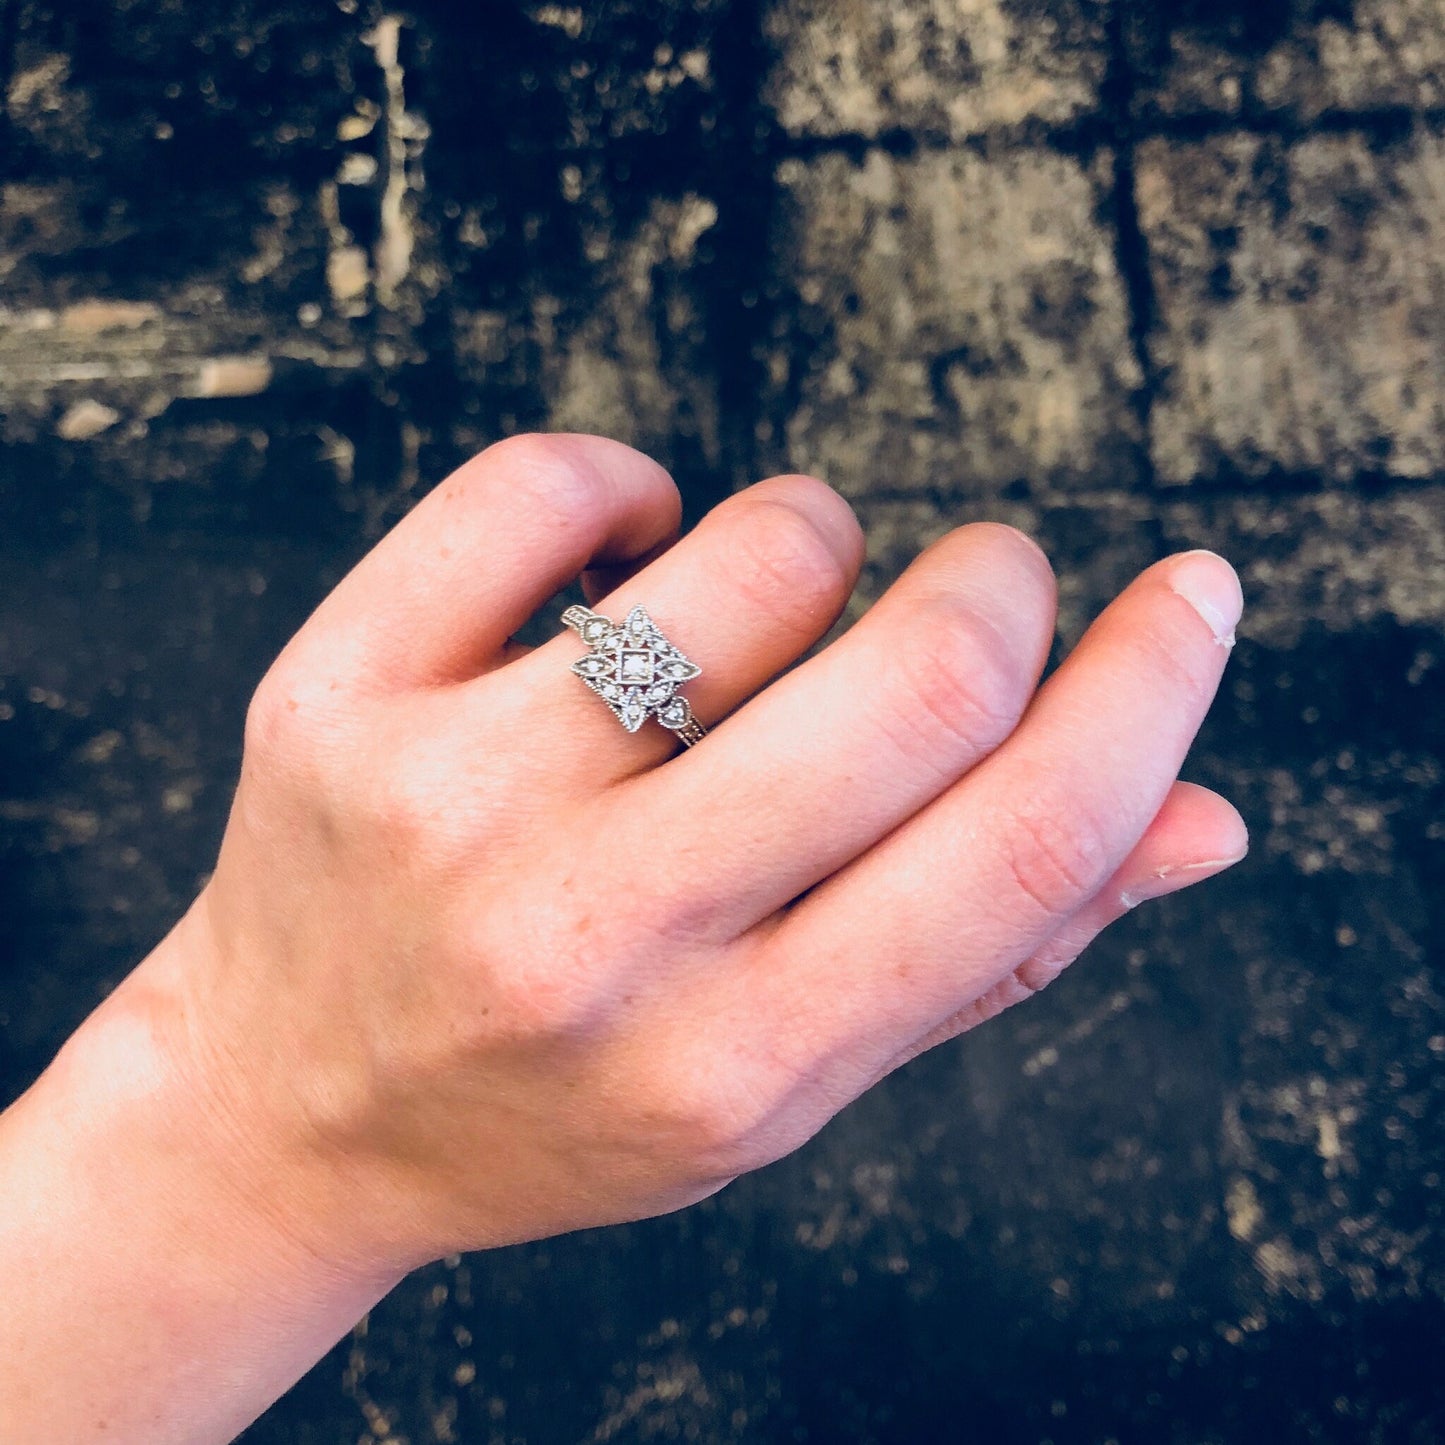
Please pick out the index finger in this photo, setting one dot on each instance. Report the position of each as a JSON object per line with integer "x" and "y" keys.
{"x": 436, "y": 599}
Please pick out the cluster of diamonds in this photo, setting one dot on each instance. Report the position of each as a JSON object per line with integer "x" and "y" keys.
{"x": 633, "y": 668}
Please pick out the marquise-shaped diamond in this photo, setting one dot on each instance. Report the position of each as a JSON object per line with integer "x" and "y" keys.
{"x": 633, "y": 711}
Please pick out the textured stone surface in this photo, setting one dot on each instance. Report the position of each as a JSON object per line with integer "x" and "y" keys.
{"x": 492, "y": 231}
{"x": 1302, "y": 58}
{"x": 1334, "y": 563}
{"x": 1299, "y": 292}
{"x": 269, "y": 270}
{"x": 949, "y": 68}
{"x": 959, "y": 322}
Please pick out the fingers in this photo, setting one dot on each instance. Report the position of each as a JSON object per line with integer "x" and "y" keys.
{"x": 605, "y": 577}
{"x": 835, "y": 755}
{"x": 760, "y": 579}
{"x": 1197, "y": 835}
{"x": 958, "y": 897}
{"x": 435, "y": 601}
{"x": 800, "y": 1076}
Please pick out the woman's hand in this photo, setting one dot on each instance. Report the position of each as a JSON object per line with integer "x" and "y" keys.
{"x": 476, "y": 965}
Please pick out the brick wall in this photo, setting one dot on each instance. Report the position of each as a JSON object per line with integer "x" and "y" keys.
{"x": 1132, "y": 275}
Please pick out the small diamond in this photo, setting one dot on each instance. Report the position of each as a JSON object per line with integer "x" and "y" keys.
{"x": 636, "y": 666}
{"x": 595, "y": 629}
{"x": 674, "y": 714}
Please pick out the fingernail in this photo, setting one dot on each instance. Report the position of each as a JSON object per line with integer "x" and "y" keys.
{"x": 1171, "y": 880}
{"x": 1210, "y": 586}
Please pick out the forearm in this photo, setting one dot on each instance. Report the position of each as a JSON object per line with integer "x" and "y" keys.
{"x": 146, "y": 1291}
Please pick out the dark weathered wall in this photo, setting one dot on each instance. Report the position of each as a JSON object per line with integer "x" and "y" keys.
{"x": 1133, "y": 275}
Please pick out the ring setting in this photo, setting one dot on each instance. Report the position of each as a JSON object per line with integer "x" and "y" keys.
{"x": 635, "y": 670}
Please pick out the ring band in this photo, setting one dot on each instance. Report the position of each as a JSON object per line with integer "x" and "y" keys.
{"x": 635, "y": 670}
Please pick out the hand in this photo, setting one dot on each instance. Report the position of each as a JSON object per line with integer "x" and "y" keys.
{"x": 476, "y": 965}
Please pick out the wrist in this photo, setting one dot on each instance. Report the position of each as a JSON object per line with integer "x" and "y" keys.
{"x": 180, "y": 1232}
{"x": 267, "y": 1184}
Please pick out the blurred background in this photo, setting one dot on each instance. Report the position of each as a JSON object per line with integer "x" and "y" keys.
{"x": 1134, "y": 276}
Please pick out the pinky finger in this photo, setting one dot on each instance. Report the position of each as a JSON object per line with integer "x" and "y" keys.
{"x": 1195, "y": 835}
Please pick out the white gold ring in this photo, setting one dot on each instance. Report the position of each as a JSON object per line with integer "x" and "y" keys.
{"x": 635, "y": 670}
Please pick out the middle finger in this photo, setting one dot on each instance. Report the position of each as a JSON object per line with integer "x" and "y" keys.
{"x": 836, "y": 754}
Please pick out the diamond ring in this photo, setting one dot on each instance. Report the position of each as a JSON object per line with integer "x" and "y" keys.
{"x": 635, "y": 670}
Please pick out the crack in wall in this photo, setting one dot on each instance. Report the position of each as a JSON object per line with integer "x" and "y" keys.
{"x": 395, "y": 240}
{"x": 1131, "y": 246}
{"x": 745, "y": 192}
{"x": 9, "y": 31}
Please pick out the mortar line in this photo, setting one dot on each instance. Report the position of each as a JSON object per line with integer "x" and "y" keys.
{"x": 9, "y": 31}
{"x": 1083, "y": 137}
{"x": 1366, "y": 487}
{"x": 746, "y": 204}
{"x": 1131, "y": 245}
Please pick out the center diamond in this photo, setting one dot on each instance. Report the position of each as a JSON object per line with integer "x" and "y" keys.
{"x": 636, "y": 667}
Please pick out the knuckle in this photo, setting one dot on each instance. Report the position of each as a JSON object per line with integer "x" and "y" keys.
{"x": 824, "y": 508}
{"x": 998, "y": 546}
{"x": 721, "y": 1120}
{"x": 401, "y": 813}
{"x": 525, "y": 995}
{"x": 299, "y": 745}
{"x": 269, "y": 721}
{"x": 536, "y": 450}
{"x": 543, "y": 972}
{"x": 961, "y": 688}
{"x": 1055, "y": 858}
{"x": 291, "y": 714}
{"x": 1023, "y": 551}
{"x": 554, "y": 476}
{"x": 1172, "y": 659}
{"x": 572, "y": 479}
{"x": 1034, "y": 975}
{"x": 782, "y": 562}
{"x": 524, "y": 1002}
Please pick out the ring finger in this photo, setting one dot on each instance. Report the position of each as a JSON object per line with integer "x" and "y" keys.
{"x": 760, "y": 579}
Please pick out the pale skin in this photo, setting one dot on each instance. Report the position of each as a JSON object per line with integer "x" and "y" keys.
{"x": 477, "y": 966}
